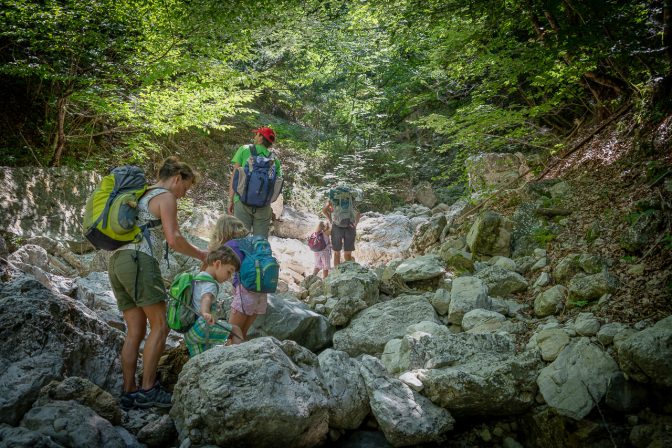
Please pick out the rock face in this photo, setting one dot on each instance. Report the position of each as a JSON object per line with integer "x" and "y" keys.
{"x": 577, "y": 379}
{"x": 405, "y": 417}
{"x": 58, "y": 193}
{"x": 370, "y": 330}
{"x": 490, "y": 171}
{"x": 95, "y": 292}
{"x": 646, "y": 356}
{"x": 46, "y": 337}
{"x": 263, "y": 393}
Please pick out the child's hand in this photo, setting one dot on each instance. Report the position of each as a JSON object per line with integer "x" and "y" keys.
{"x": 208, "y": 318}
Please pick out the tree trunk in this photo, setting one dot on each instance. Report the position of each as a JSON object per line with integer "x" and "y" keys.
{"x": 59, "y": 139}
{"x": 667, "y": 32}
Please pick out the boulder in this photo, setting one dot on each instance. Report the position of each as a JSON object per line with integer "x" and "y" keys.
{"x": 20, "y": 437}
{"x": 428, "y": 234}
{"x": 346, "y": 390}
{"x": 467, "y": 293}
{"x": 405, "y": 417}
{"x": 381, "y": 238}
{"x": 573, "y": 264}
{"x": 586, "y": 324}
{"x": 441, "y": 301}
{"x": 295, "y": 224}
{"x": 471, "y": 374}
{"x": 502, "y": 282}
{"x": 372, "y": 328}
{"x": 577, "y": 380}
{"x": 48, "y": 337}
{"x": 591, "y": 287}
{"x": 424, "y": 194}
{"x": 482, "y": 320}
{"x": 455, "y": 259}
{"x": 550, "y": 301}
{"x": 263, "y": 393}
{"x": 159, "y": 432}
{"x": 355, "y": 287}
{"x": 73, "y": 425}
{"x": 490, "y": 235}
{"x": 424, "y": 267}
{"x": 288, "y": 318}
{"x": 646, "y": 356}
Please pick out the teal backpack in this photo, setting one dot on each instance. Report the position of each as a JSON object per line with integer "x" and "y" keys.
{"x": 259, "y": 269}
{"x": 343, "y": 199}
{"x": 180, "y": 314}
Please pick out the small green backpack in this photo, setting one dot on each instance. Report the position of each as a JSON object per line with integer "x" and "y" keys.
{"x": 179, "y": 313}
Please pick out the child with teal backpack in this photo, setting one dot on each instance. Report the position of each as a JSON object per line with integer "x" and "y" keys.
{"x": 205, "y": 333}
{"x": 250, "y": 287}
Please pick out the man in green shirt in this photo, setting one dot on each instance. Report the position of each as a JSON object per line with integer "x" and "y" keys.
{"x": 256, "y": 219}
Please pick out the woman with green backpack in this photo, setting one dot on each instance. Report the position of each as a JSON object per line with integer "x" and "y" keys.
{"x": 138, "y": 286}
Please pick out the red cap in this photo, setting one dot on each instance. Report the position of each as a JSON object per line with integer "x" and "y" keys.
{"x": 267, "y": 133}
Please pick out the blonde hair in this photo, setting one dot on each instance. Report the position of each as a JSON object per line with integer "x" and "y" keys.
{"x": 224, "y": 254}
{"x": 227, "y": 227}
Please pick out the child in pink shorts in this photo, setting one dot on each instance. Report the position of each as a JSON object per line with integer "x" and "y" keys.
{"x": 323, "y": 257}
{"x": 246, "y": 305}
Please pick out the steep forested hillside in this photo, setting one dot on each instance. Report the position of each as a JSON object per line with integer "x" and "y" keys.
{"x": 375, "y": 88}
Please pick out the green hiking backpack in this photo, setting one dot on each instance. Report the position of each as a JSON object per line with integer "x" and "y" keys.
{"x": 343, "y": 199}
{"x": 180, "y": 314}
{"x": 111, "y": 213}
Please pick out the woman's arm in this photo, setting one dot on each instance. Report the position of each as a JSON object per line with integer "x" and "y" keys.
{"x": 167, "y": 205}
{"x": 229, "y": 208}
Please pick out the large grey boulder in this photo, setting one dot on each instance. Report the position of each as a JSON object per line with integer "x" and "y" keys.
{"x": 425, "y": 195}
{"x": 288, "y": 318}
{"x": 372, "y": 328}
{"x": 95, "y": 292}
{"x": 73, "y": 425}
{"x": 347, "y": 395}
{"x": 295, "y": 224}
{"x": 591, "y": 287}
{"x": 47, "y": 337}
{"x": 405, "y": 417}
{"x": 83, "y": 392}
{"x": 19, "y": 437}
{"x": 550, "y": 302}
{"x": 428, "y": 234}
{"x": 573, "y": 264}
{"x": 490, "y": 234}
{"x": 31, "y": 254}
{"x": 470, "y": 374}
{"x": 263, "y": 393}
{"x": 502, "y": 282}
{"x": 466, "y": 294}
{"x": 381, "y": 238}
{"x": 577, "y": 380}
{"x": 355, "y": 286}
{"x": 646, "y": 356}
{"x": 424, "y": 267}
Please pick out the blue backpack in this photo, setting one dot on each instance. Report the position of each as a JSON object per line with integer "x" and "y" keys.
{"x": 259, "y": 269}
{"x": 257, "y": 182}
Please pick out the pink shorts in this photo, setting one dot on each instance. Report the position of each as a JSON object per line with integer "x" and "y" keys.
{"x": 323, "y": 259}
{"x": 247, "y": 302}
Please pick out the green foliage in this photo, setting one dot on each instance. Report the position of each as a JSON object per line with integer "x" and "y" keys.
{"x": 543, "y": 235}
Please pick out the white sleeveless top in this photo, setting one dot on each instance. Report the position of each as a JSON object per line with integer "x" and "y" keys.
{"x": 156, "y": 233}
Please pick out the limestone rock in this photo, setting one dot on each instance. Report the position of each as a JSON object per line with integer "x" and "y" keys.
{"x": 490, "y": 235}
{"x": 347, "y": 395}
{"x": 502, "y": 282}
{"x": 467, "y": 293}
{"x": 646, "y": 356}
{"x": 550, "y": 301}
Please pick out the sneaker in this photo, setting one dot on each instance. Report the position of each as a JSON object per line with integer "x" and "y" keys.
{"x": 156, "y": 396}
{"x": 127, "y": 400}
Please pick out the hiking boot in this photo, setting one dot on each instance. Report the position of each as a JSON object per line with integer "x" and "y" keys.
{"x": 156, "y": 396}
{"x": 127, "y": 400}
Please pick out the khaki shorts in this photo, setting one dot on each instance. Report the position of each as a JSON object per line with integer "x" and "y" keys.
{"x": 123, "y": 269}
{"x": 258, "y": 220}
